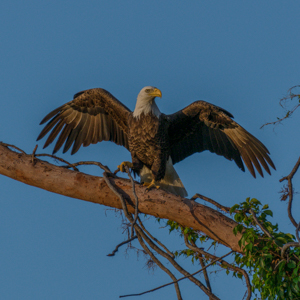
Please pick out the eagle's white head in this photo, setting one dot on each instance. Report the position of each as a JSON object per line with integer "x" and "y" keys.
{"x": 145, "y": 102}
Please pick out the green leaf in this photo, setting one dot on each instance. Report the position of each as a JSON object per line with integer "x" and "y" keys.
{"x": 262, "y": 263}
{"x": 255, "y": 201}
{"x": 234, "y": 208}
{"x": 265, "y": 206}
{"x": 291, "y": 264}
{"x": 281, "y": 240}
{"x": 268, "y": 212}
{"x": 238, "y": 217}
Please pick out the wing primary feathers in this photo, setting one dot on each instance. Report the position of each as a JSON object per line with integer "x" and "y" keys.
{"x": 247, "y": 161}
{"x": 90, "y": 137}
{"x": 87, "y": 128}
{"x": 73, "y": 134}
{"x": 54, "y": 133}
{"x": 48, "y": 127}
{"x": 51, "y": 114}
{"x": 64, "y": 134}
{"x": 80, "y": 137}
{"x": 254, "y": 160}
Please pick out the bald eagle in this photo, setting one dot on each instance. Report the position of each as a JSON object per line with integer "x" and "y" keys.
{"x": 156, "y": 141}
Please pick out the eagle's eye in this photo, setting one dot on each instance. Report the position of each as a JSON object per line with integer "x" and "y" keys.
{"x": 147, "y": 90}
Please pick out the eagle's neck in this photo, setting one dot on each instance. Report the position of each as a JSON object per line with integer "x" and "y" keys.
{"x": 145, "y": 107}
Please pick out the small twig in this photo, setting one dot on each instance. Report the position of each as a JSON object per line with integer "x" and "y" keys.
{"x": 281, "y": 119}
{"x": 12, "y": 146}
{"x": 136, "y": 211}
{"x": 215, "y": 203}
{"x": 167, "y": 284}
{"x": 117, "y": 247}
{"x": 290, "y": 96}
{"x": 58, "y": 158}
{"x": 33, "y": 154}
{"x": 96, "y": 163}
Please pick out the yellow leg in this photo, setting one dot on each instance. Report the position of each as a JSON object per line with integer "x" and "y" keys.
{"x": 151, "y": 185}
{"x": 121, "y": 167}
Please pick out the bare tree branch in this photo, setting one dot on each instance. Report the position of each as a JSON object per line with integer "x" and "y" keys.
{"x": 290, "y": 190}
{"x": 290, "y": 96}
{"x": 121, "y": 244}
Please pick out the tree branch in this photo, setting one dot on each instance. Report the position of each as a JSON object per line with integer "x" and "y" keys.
{"x": 158, "y": 203}
{"x": 290, "y": 190}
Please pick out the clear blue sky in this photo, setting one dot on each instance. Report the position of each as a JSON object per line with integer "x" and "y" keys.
{"x": 240, "y": 55}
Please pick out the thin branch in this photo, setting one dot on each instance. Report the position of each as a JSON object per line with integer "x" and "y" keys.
{"x": 204, "y": 272}
{"x": 191, "y": 245}
{"x": 96, "y": 163}
{"x": 215, "y": 203}
{"x": 289, "y": 113}
{"x": 261, "y": 226}
{"x": 58, "y": 158}
{"x": 297, "y": 233}
{"x": 290, "y": 190}
{"x": 288, "y": 245}
{"x": 118, "y": 246}
{"x": 292, "y": 244}
{"x": 167, "y": 284}
{"x": 290, "y": 96}
{"x": 12, "y": 146}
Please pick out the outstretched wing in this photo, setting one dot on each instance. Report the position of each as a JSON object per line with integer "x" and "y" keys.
{"x": 92, "y": 116}
{"x": 203, "y": 126}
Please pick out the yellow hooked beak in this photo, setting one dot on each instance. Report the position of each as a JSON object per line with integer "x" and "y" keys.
{"x": 155, "y": 93}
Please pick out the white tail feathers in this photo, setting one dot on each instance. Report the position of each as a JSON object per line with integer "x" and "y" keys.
{"x": 171, "y": 182}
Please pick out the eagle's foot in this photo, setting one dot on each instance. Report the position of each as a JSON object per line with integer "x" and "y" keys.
{"x": 151, "y": 185}
{"x": 121, "y": 167}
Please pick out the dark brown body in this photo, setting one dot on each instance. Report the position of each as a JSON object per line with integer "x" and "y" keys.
{"x": 148, "y": 141}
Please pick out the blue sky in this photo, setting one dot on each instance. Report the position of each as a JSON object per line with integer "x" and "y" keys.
{"x": 239, "y": 55}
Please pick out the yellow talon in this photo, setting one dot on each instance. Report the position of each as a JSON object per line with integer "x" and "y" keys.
{"x": 121, "y": 167}
{"x": 151, "y": 185}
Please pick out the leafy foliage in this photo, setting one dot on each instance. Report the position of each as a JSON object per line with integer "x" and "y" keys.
{"x": 275, "y": 277}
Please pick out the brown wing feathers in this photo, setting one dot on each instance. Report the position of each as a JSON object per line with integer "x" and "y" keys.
{"x": 94, "y": 115}
{"x": 253, "y": 152}
{"x": 218, "y": 133}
